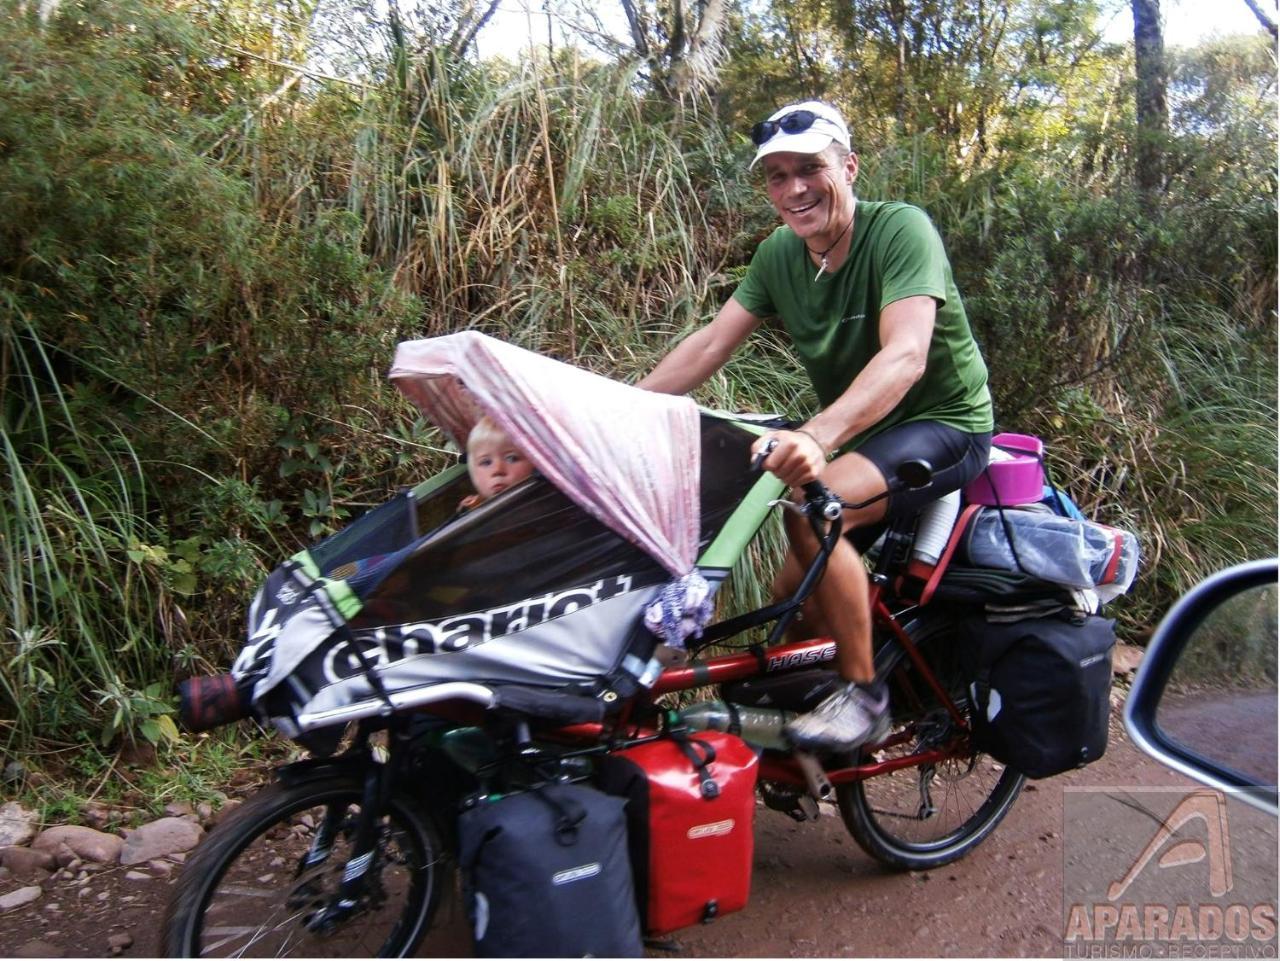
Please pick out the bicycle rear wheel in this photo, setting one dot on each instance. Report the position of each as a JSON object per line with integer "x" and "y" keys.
{"x": 253, "y": 885}
{"x": 926, "y": 816}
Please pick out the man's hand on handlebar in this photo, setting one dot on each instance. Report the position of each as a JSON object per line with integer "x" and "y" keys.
{"x": 794, "y": 457}
{"x": 787, "y": 455}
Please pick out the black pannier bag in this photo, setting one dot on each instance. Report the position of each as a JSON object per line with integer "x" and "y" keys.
{"x": 546, "y": 874}
{"x": 1041, "y": 689}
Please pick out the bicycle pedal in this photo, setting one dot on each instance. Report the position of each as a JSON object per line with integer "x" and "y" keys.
{"x": 806, "y": 809}
{"x": 820, "y": 788}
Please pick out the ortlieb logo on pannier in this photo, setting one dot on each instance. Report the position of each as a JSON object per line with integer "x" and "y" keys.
{"x": 1041, "y": 689}
{"x": 712, "y": 830}
{"x": 576, "y": 874}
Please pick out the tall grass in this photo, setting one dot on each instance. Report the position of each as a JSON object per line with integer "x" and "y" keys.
{"x": 80, "y": 621}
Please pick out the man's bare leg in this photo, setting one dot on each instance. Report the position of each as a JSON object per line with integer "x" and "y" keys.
{"x": 810, "y": 623}
{"x": 841, "y": 598}
{"x": 839, "y": 607}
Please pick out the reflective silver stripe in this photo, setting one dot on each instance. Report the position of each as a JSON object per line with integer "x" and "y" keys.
{"x": 651, "y": 672}
{"x": 357, "y": 866}
{"x": 645, "y": 672}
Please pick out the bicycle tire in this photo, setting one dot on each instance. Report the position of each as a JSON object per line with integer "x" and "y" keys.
{"x": 887, "y": 814}
{"x": 236, "y": 896}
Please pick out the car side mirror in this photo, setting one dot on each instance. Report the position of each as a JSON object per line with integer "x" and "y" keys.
{"x": 1204, "y": 699}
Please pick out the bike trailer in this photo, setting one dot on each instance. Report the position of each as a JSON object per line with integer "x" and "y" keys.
{"x": 544, "y": 586}
{"x": 1041, "y": 689}
{"x": 690, "y": 811}
{"x": 546, "y": 875}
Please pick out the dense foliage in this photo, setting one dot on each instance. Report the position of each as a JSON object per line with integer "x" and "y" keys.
{"x": 210, "y": 248}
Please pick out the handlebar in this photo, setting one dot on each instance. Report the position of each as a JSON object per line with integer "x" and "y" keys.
{"x": 819, "y": 497}
{"x": 821, "y": 502}
{"x": 824, "y": 510}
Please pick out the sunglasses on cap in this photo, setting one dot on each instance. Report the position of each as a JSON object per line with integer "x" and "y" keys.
{"x": 798, "y": 121}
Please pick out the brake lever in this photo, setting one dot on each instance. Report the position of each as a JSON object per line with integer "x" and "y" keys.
{"x": 758, "y": 461}
{"x": 788, "y": 504}
{"x": 830, "y": 507}
{"x": 818, "y": 495}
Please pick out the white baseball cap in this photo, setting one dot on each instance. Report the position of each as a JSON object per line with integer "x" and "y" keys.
{"x": 807, "y": 127}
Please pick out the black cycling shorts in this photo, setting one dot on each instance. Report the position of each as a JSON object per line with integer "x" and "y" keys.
{"x": 956, "y": 458}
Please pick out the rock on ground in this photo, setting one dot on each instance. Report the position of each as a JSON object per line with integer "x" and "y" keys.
{"x": 1126, "y": 659}
{"x": 20, "y": 897}
{"x": 83, "y": 842}
{"x": 26, "y": 864}
{"x": 95, "y": 815}
{"x": 160, "y": 839}
{"x": 223, "y": 812}
{"x": 17, "y": 824}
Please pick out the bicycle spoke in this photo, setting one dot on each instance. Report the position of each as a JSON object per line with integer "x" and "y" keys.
{"x": 255, "y": 905}
{"x": 920, "y": 816}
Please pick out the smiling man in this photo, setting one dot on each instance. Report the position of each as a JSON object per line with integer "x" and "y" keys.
{"x": 864, "y": 291}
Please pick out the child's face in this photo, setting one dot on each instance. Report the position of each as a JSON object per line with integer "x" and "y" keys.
{"x": 496, "y": 465}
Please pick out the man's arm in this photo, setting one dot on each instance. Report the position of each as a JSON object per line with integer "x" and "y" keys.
{"x": 703, "y": 352}
{"x": 906, "y": 328}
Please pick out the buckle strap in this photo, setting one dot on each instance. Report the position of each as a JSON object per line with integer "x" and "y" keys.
{"x": 700, "y": 754}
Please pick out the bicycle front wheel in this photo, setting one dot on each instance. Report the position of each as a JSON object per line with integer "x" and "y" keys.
{"x": 264, "y": 873}
{"x": 926, "y": 816}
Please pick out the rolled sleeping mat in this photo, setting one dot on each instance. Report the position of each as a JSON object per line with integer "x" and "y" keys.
{"x": 208, "y": 702}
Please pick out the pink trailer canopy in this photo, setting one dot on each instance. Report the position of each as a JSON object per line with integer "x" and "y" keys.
{"x": 629, "y": 457}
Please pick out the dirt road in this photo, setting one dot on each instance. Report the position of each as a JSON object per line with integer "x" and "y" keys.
{"x": 815, "y": 893}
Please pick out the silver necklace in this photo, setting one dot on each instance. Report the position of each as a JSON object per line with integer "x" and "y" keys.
{"x": 823, "y": 254}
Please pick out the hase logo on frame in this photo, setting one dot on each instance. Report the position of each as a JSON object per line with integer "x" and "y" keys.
{"x": 1139, "y": 884}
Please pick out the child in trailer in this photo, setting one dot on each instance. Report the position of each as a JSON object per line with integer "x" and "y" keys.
{"x": 494, "y": 463}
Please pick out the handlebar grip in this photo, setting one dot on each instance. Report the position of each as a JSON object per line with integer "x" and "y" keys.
{"x": 819, "y": 495}
{"x": 815, "y": 490}
{"x": 758, "y": 461}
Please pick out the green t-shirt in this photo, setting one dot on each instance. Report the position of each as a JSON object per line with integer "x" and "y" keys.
{"x": 834, "y": 322}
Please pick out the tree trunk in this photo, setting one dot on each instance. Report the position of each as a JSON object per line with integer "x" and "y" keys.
{"x": 682, "y": 44}
{"x": 470, "y": 20}
{"x": 1263, "y": 19}
{"x": 696, "y": 69}
{"x": 1153, "y": 108}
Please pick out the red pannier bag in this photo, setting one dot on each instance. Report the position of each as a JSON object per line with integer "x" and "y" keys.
{"x": 690, "y": 830}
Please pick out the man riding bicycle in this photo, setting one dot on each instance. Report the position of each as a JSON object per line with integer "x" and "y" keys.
{"x": 865, "y": 293}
